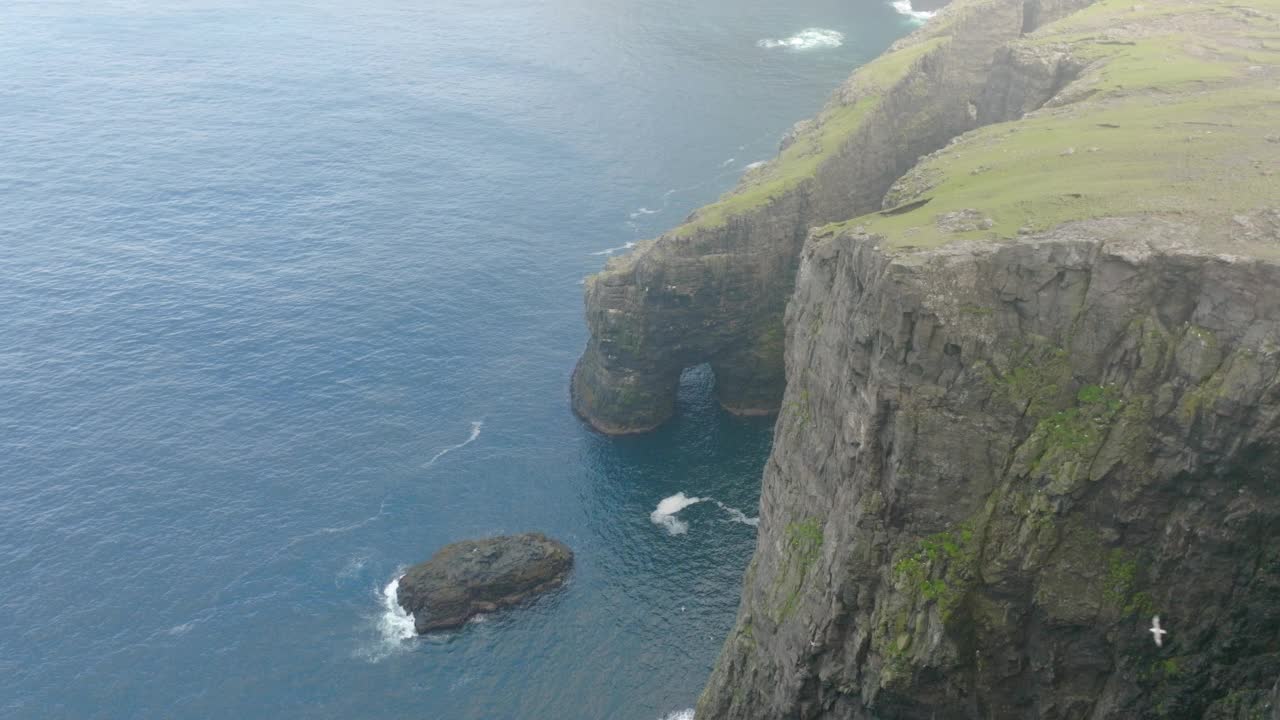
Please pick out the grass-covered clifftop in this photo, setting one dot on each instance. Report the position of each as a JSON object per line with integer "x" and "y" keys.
{"x": 1173, "y": 113}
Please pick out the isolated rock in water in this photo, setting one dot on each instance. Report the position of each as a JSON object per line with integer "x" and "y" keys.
{"x": 472, "y": 577}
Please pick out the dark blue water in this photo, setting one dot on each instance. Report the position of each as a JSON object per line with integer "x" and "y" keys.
{"x": 262, "y": 262}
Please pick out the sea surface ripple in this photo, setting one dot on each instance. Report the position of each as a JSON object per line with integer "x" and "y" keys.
{"x": 290, "y": 299}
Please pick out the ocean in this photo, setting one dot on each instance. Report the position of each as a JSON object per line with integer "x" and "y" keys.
{"x": 290, "y": 292}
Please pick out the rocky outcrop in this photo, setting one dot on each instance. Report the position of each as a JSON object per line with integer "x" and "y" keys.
{"x": 472, "y": 577}
{"x": 1036, "y": 400}
{"x": 714, "y": 289}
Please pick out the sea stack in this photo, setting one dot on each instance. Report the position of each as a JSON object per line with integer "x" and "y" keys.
{"x": 474, "y": 577}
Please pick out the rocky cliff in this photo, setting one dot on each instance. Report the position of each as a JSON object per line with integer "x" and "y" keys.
{"x": 995, "y": 463}
{"x": 714, "y": 289}
{"x": 1029, "y": 384}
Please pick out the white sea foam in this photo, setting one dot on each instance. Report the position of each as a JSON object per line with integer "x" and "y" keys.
{"x": 612, "y": 250}
{"x": 738, "y": 516}
{"x": 680, "y": 715}
{"x": 643, "y": 211}
{"x": 475, "y": 433}
{"x": 392, "y": 627}
{"x": 756, "y": 164}
{"x": 395, "y": 625}
{"x": 728, "y": 162}
{"x": 904, "y": 8}
{"x": 665, "y": 514}
{"x": 807, "y": 39}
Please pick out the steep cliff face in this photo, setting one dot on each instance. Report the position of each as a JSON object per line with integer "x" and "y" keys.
{"x": 714, "y": 289}
{"x": 995, "y": 462}
{"x": 1036, "y": 400}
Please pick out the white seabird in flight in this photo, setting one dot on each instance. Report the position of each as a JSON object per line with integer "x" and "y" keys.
{"x": 1157, "y": 632}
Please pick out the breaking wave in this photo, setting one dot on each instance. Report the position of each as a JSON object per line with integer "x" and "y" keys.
{"x": 391, "y": 628}
{"x": 475, "y": 433}
{"x": 395, "y": 624}
{"x": 808, "y": 39}
{"x": 665, "y": 514}
{"x": 680, "y": 715}
{"x": 904, "y": 8}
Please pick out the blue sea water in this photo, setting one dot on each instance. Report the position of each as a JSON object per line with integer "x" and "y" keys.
{"x": 289, "y": 298}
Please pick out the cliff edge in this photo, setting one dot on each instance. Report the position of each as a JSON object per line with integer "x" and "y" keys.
{"x": 1035, "y": 400}
{"x": 714, "y": 289}
{"x": 1015, "y": 293}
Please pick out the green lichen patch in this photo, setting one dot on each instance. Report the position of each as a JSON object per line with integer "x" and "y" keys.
{"x": 1081, "y": 427}
{"x": 747, "y": 634}
{"x": 805, "y": 541}
{"x": 1221, "y": 378}
{"x": 1035, "y": 384}
{"x": 801, "y": 409}
{"x": 803, "y": 547}
{"x": 940, "y": 568}
{"x": 1119, "y": 588}
{"x": 1065, "y": 445}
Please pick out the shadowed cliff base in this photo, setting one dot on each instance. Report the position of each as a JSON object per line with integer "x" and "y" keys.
{"x": 714, "y": 289}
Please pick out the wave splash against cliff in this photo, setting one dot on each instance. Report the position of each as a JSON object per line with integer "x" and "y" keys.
{"x": 397, "y": 624}
{"x": 807, "y": 39}
{"x": 393, "y": 626}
